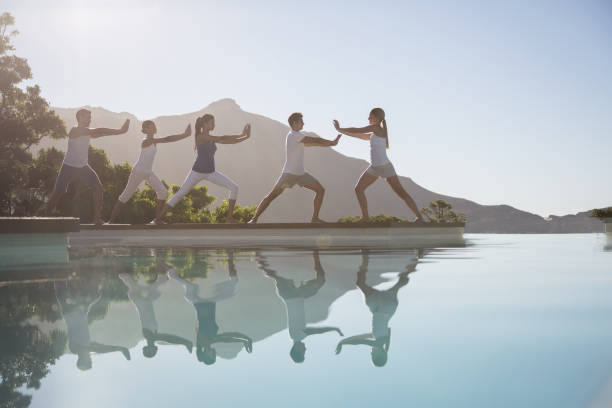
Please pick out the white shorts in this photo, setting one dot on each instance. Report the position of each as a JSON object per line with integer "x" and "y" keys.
{"x": 194, "y": 178}
{"x": 384, "y": 171}
{"x": 137, "y": 177}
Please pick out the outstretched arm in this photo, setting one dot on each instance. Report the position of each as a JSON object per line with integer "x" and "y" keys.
{"x": 101, "y": 132}
{"x": 363, "y": 339}
{"x": 172, "y": 339}
{"x": 174, "y": 138}
{"x": 320, "y": 330}
{"x": 234, "y": 337}
{"x": 319, "y": 142}
{"x": 348, "y": 132}
{"x": 230, "y": 139}
{"x": 103, "y": 349}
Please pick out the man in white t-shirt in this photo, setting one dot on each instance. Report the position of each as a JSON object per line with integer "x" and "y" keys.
{"x": 76, "y": 162}
{"x": 294, "y": 172}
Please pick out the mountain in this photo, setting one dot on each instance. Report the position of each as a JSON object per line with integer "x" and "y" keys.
{"x": 256, "y": 164}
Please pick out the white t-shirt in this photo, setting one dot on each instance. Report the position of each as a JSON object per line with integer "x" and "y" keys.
{"x": 77, "y": 152}
{"x": 294, "y": 162}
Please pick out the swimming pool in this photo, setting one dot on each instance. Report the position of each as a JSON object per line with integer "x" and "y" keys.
{"x": 506, "y": 321}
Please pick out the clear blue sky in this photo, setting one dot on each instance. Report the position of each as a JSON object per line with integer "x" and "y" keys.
{"x": 499, "y": 102}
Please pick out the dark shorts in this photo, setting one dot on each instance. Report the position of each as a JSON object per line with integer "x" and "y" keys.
{"x": 287, "y": 289}
{"x": 68, "y": 174}
{"x": 288, "y": 180}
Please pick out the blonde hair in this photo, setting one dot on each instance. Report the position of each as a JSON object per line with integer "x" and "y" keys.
{"x": 380, "y": 114}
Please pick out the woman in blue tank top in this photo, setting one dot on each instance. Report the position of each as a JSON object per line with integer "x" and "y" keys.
{"x": 204, "y": 166}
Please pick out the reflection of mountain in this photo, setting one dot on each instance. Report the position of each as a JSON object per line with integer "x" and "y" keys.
{"x": 255, "y": 166}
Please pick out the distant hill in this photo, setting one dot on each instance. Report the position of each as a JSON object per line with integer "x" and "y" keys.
{"x": 256, "y": 164}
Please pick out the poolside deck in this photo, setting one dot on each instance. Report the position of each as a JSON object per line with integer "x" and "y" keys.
{"x": 331, "y": 235}
{"x": 43, "y": 237}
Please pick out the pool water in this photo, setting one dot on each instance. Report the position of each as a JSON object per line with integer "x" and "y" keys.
{"x": 506, "y": 321}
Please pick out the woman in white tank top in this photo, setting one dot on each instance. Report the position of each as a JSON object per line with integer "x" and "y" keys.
{"x": 380, "y": 166}
{"x": 143, "y": 170}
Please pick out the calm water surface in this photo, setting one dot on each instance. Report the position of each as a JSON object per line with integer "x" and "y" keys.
{"x": 506, "y": 321}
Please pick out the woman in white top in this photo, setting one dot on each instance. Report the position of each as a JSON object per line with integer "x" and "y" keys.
{"x": 143, "y": 169}
{"x": 380, "y": 166}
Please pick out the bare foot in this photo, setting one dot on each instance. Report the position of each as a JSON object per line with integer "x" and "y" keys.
{"x": 318, "y": 221}
{"x": 363, "y": 220}
{"x": 252, "y": 221}
{"x": 98, "y": 222}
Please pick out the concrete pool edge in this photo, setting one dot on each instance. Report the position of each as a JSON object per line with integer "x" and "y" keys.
{"x": 389, "y": 235}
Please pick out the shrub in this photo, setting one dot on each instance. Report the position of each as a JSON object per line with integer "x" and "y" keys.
{"x": 602, "y": 213}
{"x": 441, "y": 211}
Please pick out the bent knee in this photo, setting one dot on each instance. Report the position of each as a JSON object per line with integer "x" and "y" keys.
{"x": 233, "y": 191}
{"x": 162, "y": 194}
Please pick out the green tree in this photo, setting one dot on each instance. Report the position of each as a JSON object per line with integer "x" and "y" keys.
{"x": 25, "y": 119}
{"x": 441, "y": 211}
{"x": 376, "y": 219}
{"x": 241, "y": 214}
{"x": 25, "y": 351}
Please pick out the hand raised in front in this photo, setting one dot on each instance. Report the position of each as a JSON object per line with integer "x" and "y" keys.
{"x": 125, "y": 127}
{"x": 246, "y": 131}
{"x": 336, "y": 124}
{"x": 188, "y": 130}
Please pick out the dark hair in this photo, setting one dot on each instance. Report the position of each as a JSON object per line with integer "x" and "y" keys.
{"x": 380, "y": 114}
{"x": 294, "y": 117}
{"x": 199, "y": 124}
{"x": 207, "y": 356}
{"x": 298, "y": 352}
{"x": 146, "y": 123}
{"x": 82, "y": 112}
{"x": 149, "y": 351}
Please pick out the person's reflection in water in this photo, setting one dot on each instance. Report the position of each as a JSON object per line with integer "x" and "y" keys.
{"x": 293, "y": 296}
{"x": 204, "y": 300}
{"x": 143, "y": 296}
{"x": 76, "y": 297}
{"x": 382, "y": 304}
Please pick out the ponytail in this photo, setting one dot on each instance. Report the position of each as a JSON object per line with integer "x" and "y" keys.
{"x": 380, "y": 114}
{"x": 198, "y": 126}
{"x": 384, "y": 126}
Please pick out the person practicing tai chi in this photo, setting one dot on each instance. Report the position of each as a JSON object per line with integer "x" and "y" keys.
{"x": 204, "y": 166}
{"x": 76, "y": 166}
{"x": 294, "y": 296}
{"x": 143, "y": 170}
{"x": 76, "y": 297}
{"x": 204, "y": 300}
{"x": 143, "y": 296}
{"x": 380, "y": 166}
{"x": 382, "y": 305}
{"x": 293, "y": 171}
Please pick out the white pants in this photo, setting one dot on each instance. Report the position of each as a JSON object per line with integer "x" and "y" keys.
{"x": 194, "y": 178}
{"x": 137, "y": 177}
{"x": 206, "y": 293}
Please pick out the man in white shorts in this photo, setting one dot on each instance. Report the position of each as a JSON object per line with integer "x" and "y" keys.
{"x": 293, "y": 171}
{"x": 76, "y": 166}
